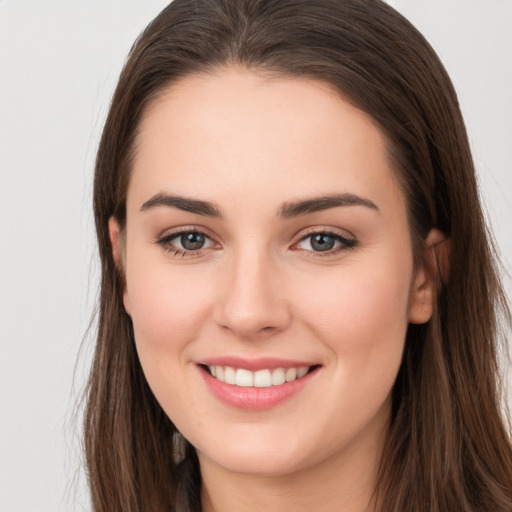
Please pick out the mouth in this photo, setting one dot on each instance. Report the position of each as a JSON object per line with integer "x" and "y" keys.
{"x": 263, "y": 378}
{"x": 264, "y": 386}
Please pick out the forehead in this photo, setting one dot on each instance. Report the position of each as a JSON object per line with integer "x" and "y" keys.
{"x": 247, "y": 133}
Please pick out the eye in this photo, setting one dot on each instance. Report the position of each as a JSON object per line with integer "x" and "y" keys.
{"x": 325, "y": 242}
{"x": 186, "y": 243}
{"x": 192, "y": 241}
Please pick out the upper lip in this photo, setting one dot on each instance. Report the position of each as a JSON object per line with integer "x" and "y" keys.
{"x": 254, "y": 364}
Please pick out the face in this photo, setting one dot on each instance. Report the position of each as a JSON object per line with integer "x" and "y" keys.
{"x": 269, "y": 271}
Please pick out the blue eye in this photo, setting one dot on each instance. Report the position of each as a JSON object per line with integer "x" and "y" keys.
{"x": 325, "y": 242}
{"x": 322, "y": 242}
{"x": 186, "y": 242}
{"x": 192, "y": 241}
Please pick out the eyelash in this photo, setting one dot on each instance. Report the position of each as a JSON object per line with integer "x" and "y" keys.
{"x": 345, "y": 243}
{"x": 165, "y": 243}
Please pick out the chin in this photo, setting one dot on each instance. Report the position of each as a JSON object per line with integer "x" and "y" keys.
{"x": 257, "y": 457}
{"x": 257, "y": 465}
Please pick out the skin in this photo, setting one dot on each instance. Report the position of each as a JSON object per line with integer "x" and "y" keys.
{"x": 250, "y": 143}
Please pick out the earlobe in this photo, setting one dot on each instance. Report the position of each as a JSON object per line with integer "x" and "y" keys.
{"x": 117, "y": 243}
{"x": 429, "y": 277}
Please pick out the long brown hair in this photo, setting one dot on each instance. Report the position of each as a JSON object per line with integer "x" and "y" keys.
{"x": 448, "y": 448}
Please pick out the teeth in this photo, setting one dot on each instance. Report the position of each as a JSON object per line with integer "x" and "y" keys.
{"x": 263, "y": 379}
{"x": 302, "y": 371}
{"x": 278, "y": 377}
{"x": 229, "y": 375}
{"x": 244, "y": 378}
{"x": 259, "y": 379}
{"x": 291, "y": 374}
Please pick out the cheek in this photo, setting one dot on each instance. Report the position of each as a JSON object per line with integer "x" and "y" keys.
{"x": 168, "y": 308}
{"x": 362, "y": 321}
{"x": 373, "y": 304}
{"x": 168, "y": 311}
{"x": 363, "y": 317}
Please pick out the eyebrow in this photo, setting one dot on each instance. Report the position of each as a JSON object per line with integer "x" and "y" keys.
{"x": 316, "y": 204}
{"x": 286, "y": 211}
{"x": 183, "y": 203}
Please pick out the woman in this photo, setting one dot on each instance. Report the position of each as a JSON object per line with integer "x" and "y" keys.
{"x": 299, "y": 302}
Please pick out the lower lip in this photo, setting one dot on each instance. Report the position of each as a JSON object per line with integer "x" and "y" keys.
{"x": 253, "y": 398}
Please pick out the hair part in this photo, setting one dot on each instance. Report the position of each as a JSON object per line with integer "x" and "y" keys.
{"x": 447, "y": 448}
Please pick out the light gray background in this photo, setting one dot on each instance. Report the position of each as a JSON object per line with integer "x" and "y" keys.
{"x": 59, "y": 61}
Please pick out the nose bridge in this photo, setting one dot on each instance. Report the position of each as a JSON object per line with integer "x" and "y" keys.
{"x": 253, "y": 300}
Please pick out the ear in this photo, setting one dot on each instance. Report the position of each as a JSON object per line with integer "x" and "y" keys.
{"x": 118, "y": 253}
{"x": 430, "y": 274}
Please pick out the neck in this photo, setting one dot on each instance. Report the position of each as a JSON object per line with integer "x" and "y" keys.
{"x": 345, "y": 482}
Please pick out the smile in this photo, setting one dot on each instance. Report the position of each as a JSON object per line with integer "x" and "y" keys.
{"x": 266, "y": 385}
{"x": 264, "y": 378}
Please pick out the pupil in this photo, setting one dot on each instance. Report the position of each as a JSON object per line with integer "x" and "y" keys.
{"x": 192, "y": 241}
{"x": 322, "y": 242}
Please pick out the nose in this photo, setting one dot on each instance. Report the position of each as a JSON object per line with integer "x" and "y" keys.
{"x": 253, "y": 302}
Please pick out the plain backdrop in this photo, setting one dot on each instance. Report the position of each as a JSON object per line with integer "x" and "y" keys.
{"x": 59, "y": 61}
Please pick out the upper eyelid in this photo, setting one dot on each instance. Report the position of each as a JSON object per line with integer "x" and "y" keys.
{"x": 164, "y": 240}
{"x": 343, "y": 240}
{"x": 342, "y": 233}
{"x": 325, "y": 232}
{"x": 174, "y": 232}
